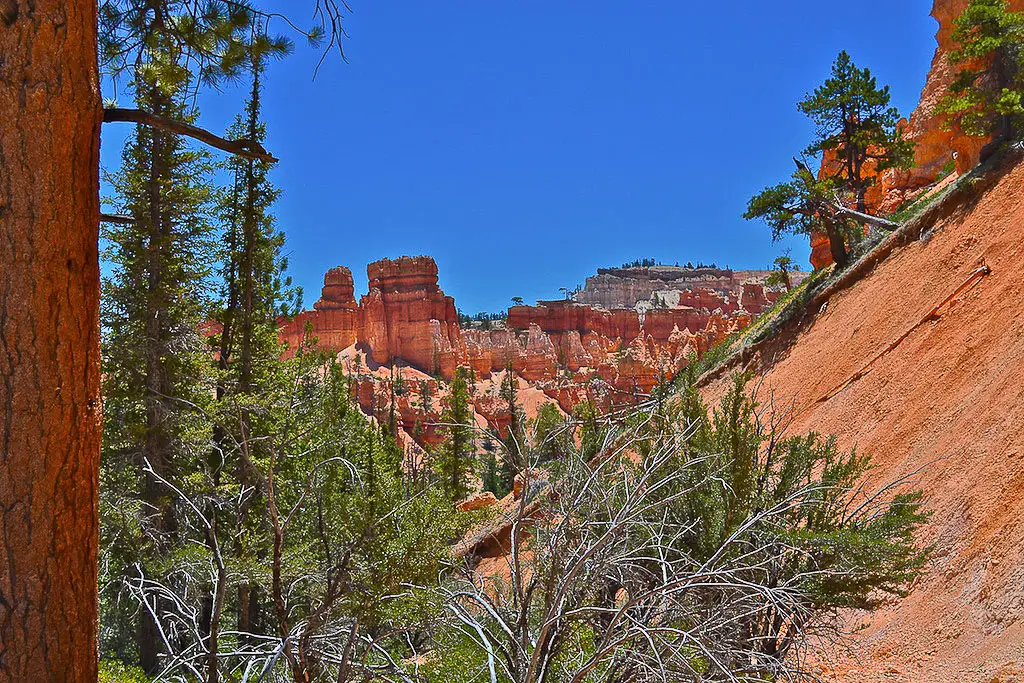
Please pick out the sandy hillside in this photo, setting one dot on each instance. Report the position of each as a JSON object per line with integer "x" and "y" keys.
{"x": 952, "y": 395}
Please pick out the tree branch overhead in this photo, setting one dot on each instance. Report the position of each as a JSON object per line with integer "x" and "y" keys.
{"x": 244, "y": 148}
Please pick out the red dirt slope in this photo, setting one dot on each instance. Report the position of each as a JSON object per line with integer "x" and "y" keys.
{"x": 950, "y": 394}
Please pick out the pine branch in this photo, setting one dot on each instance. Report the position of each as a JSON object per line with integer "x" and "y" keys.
{"x": 244, "y": 148}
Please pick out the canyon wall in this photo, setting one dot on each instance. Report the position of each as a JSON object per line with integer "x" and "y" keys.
{"x": 936, "y": 146}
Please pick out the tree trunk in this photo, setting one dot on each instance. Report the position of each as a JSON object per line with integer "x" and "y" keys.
{"x": 837, "y": 245}
{"x": 157, "y": 449}
{"x": 49, "y": 340}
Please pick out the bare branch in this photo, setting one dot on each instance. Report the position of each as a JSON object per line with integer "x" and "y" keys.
{"x": 249, "y": 149}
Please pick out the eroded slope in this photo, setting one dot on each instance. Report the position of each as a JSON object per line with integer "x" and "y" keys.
{"x": 948, "y": 401}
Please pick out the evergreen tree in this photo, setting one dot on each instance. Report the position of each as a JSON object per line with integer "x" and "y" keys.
{"x": 802, "y": 206}
{"x": 255, "y": 293}
{"x": 455, "y": 461}
{"x": 490, "y": 475}
{"x": 855, "y": 122}
{"x": 156, "y": 375}
{"x": 514, "y": 460}
{"x": 551, "y": 437}
{"x": 781, "y": 274}
{"x": 837, "y": 546}
{"x": 856, "y": 125}
{"x": 986, "y": 96}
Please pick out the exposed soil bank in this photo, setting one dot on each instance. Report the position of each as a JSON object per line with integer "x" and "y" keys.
{"x": 948, "y": 400}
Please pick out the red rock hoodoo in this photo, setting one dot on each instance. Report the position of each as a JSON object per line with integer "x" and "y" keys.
{"x": 334, "y": 318}
{"x": 405, "y": 315}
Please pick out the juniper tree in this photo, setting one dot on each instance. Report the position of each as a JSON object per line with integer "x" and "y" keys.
{"x": 837, "y": 545}
{"x": 985, "y": 98}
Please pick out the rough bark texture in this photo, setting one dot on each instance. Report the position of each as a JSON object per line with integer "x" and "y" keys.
{"x": 49, "y": 340}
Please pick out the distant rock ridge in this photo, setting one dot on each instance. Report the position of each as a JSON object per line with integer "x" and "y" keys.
{"x": 572, "y": 351}
{"x": 636, "y": 287}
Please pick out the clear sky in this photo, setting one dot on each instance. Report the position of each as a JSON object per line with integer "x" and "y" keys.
{"x": 525, "y": 144}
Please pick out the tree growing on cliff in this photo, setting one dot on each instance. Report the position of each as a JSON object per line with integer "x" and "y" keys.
{"x": 858, "y": 136}
{"x": 802, "y": 206}
{"x": 857, "y": 130}
{"x": 986, "y": 96}
{"x": 781, "y": 273}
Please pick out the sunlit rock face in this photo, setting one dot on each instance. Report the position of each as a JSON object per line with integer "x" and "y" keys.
{"x": 406, "y": 315}
{"x": 334, "y": 318}
{"x": 565, "y": 350}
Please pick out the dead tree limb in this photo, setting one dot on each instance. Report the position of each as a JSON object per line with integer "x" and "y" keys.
{"x": 249, "y": 149}
{"x": 116, "y": 218}
{"x": 865, "y": 218}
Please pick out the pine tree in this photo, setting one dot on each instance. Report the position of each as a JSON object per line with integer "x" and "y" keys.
{"x": 856, "y": 125}
{"x": 455, "y": 462}
{"x": 255, "y": 293}
{"x": 156, "y": 375}
{"x": 802, "y": 206}
{"x": 855, "y": 122}
{"x": 514, "y": 460}
{"x": 986, "y": 96}
{"x": 782, "y": 272}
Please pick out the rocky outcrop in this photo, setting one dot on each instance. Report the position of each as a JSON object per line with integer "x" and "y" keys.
{"x": 406, "y": 316}
{"x": 614, "y": 288}
{"x": 334, "y": 318}
{"x": 938, "y": 144}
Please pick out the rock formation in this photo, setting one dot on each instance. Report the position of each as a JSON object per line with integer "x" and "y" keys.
{"x": 615, "y": 288}
{"x": 936, "y": 146}
{"x": 405, "y": 315}
{"x": 566, "y": 351}
{"x": 334, "y": 318}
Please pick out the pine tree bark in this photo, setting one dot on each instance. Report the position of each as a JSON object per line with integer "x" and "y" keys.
{"x": 50, "y": 110}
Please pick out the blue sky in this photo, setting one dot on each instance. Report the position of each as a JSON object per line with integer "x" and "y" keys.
{"x": 523, "y": 145}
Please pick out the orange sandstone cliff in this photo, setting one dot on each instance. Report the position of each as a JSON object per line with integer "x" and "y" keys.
{"x": 943, "y": 407}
